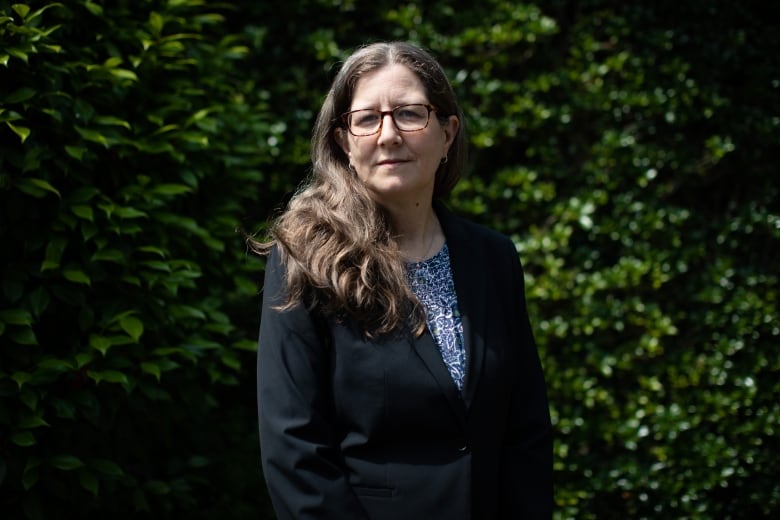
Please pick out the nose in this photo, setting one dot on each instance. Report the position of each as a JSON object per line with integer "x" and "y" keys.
{"x": 388, "y": 131}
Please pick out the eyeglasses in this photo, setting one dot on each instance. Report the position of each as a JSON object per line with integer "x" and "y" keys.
{"x": 407, "y": 118}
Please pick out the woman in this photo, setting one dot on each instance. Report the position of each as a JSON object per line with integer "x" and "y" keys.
{"x": 397, "y": 373}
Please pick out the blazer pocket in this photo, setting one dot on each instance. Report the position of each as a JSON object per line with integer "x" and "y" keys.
{"x": 373, "y": 492}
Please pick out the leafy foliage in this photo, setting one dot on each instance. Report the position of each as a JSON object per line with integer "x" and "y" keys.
{"x": 629, "y": 150}
{"x": 130, "y": 139}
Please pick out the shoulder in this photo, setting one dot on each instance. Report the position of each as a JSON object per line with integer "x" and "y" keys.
{"x": 274, "y": 270}
{"x": 470, "y": 235}
{"x": 276, "y": 291}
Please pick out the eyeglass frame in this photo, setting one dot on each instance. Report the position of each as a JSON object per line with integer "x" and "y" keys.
{"x": 382, "y": 113}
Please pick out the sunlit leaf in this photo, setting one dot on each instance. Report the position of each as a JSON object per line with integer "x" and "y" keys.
{"x": 132, "y": 326}
{"x": 22, "y": 131}
{"x": 76, "y": 276}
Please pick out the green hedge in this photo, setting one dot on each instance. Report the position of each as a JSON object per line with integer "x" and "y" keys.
{"x": 628, "y": 149}
{"x": 132, "y": 141}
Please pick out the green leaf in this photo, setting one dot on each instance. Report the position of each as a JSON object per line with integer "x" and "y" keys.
{"x": 58, "y": 365}
{"x": 23, "y": 439}
{"x": 83, "y": 359}
{"x": 106, "y": 467}
{"x": 76, "y": 276}
{"x": 198, "y": 116}
{"x": 39, "y": 300}
{"x": 109, "y": 255}
{"x": 124, "y": 74}
{"x": 21, "y": 378}
{"x": 54, "y": 252}
{"x": 32, "y": 463}
{"x": 131, "y": 280}
{"x": 16, "y": 317}
{"x": 100, "y": 343}
{"x": 88, "y": 230}
{"x": 29, "y": 479}
{"x": 31, "y": 473}
{"x": 77, "y": 152}
{"x": 111, "y": 376}
{"x": 112, "y": 62}
{"x": 29, "y": 422}
{"x": 22, "y": 131}
{"x": 112, "y": 121}
{"x": 22, "y": 94}
{"x": 92, "y": 135}
{"x": 94, "y": 8}
{"x": 187, "y": 311}
{"x": 89, "y": 481}
{"x": 230, "y": 360}
{"x": 21, "y": 9}
{"x": 36, "y": 187}
{"x": 165, "y": 129}
{"x": 129, "y": 213}
{"x": 132, "y": 326}
{"x": 29, "y": 397}
{"x": 117, "y": 317}
{"x": 199, "y": 461}
{"x": 26, "y": 336}
{"x": 158, "y": 487}
{"x": 158, "y": 265}
{"x": 84, "y": 212}
{"x": 66, "y": 462}
{"x": 152, "y": 249}
{"x": 245, "y": 344}
{"x": 156, "y": 23}
{"x": 152, "y": 369}
{"x": 170, "y": 189}
{"x": 82, "y": 194}
{"x": 18, "y": 53}
{"x": 37, "y": 13}
{"x": 9, "y": 116}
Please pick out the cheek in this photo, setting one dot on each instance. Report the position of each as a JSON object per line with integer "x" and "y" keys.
{"x": 359, "y": 151}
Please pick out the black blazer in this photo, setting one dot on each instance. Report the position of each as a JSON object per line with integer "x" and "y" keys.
{"x": 358, "y": 429}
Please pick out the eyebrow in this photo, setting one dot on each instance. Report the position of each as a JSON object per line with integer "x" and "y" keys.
{"x": 393, "y": 106}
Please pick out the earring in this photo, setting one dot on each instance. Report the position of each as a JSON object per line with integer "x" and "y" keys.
{"x": 444, "y": 159}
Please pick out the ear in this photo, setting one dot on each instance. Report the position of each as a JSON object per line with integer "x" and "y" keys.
{"x": 450, "y": 131}
{"x": 342, "y": 139}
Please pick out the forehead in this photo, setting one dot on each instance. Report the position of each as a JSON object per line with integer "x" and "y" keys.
{"x": 391, "y": 84}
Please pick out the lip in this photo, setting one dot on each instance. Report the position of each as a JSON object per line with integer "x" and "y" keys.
{"x": 385, "y": 162}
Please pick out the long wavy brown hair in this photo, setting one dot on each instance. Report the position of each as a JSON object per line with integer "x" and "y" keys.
{"x": 336, "y": 244}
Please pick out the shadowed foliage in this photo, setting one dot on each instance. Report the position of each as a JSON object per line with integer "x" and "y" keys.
{"x": 629, "y": 150}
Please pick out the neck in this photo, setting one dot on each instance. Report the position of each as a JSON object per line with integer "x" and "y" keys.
{"x": 417, "y": 231}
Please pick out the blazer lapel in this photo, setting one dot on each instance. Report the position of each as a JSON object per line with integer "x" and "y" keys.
{"x": 467, "y": 264}
{"x": 426, "y": 348}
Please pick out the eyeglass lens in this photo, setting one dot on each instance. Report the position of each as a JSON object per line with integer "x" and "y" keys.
{"x": 407, "y": 118}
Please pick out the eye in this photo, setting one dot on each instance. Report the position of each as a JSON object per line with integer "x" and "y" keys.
{"x": 365, "y": 118}
{"x": 412, "y": 113}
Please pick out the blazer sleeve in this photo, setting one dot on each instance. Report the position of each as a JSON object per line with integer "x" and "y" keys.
{"x": 301, "y": 461}
{"x": 528, "y": 471}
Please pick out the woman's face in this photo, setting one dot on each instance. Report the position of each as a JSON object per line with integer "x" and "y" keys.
{"x": 397, "y": 167}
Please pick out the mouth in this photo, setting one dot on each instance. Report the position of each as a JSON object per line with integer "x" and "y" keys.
{"x": 391, "y": 162}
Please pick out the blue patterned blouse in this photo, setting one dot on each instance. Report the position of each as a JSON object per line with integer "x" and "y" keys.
{"x": 431, "y": 281}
